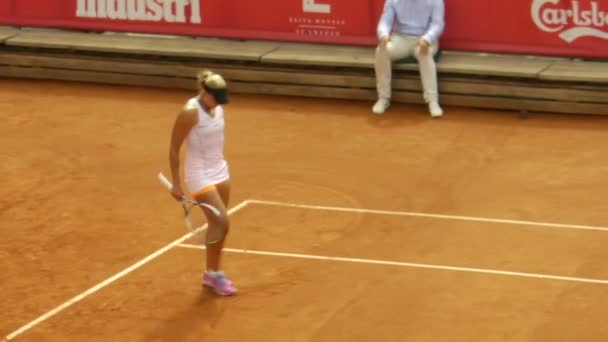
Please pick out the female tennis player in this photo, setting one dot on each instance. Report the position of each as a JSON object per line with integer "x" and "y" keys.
{"x": 201, "y": 124}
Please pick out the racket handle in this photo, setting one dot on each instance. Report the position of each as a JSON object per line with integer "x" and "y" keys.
{"x": 165, "y": 181}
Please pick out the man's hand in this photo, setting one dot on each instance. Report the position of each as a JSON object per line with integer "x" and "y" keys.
{"x": 424, "y": 46}
{"x": 385, "y": 40}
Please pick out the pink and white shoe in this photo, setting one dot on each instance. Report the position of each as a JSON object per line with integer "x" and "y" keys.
{"x": 218, "y": 282}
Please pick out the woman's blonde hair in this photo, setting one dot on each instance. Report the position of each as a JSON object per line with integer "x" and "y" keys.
{"x": 209, "y": 79}
{"x": 202, "y": 77}
{"x": 214, "y": 84}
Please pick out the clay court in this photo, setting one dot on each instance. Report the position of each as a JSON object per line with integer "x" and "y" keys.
{"x": 480, "y": 226}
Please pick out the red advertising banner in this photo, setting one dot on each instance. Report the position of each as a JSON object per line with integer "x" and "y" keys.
{"x": 331, "y": 21}
{"x": 5, "y": 9}
{"x": 549, "y": 27}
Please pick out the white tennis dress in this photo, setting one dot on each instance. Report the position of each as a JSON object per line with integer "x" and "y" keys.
{"x": 205, "y": 164}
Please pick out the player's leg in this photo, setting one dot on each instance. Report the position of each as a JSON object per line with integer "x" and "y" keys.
{"x": 223, "y": 189}
{"x": 217, "y": 230}
{"x": 217, "y": 225}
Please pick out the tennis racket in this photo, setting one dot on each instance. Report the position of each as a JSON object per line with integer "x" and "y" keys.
{"x": 193, "y": 213}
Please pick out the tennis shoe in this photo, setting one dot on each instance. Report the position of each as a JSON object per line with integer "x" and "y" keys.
{"x": 381, "y": 106}
{"x": 218, "y": 282}
{"x": 435, "y": 110}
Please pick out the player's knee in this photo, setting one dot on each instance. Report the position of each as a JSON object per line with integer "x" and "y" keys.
{"x": 222, "y": 224}
{"x": 217, "y": 232}
{"x": 226, "y": 226}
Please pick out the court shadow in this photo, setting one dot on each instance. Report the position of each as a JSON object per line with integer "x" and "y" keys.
{"x": 399, "y": 116}
{"x": 190, "y": 324}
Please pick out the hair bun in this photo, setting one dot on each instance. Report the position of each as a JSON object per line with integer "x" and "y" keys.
{"x": 215, "y": 81}
{"x": 203, "y": 75}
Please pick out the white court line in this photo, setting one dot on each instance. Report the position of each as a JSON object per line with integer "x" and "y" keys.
{"x": 408, "y": 264}
{"x": 110, "y": 280}
{"x": 437, "y": 216}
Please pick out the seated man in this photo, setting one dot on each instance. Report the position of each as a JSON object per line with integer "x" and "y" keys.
{"x": 418, "y": 24}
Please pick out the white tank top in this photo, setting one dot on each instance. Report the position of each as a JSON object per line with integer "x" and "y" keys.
{"x": 205, "y": 144}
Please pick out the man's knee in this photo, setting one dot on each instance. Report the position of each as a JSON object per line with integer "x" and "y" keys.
{"x": 426, "y": 56}
{"x": 382, "y": 51}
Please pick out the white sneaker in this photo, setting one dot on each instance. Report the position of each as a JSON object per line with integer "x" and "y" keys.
{"x": 435, "y": 110}
{"x": 381, "y": 105}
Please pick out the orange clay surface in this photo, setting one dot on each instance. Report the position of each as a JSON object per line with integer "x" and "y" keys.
{"x": 81, "y": 202}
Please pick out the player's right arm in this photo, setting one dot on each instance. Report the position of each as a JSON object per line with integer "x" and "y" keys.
{"x": 185, "y": 120}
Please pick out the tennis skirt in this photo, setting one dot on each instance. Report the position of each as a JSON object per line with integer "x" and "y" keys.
{"x": 200, "y": 180}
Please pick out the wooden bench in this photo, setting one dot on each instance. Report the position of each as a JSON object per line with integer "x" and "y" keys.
{"x": 327, "y": 71}
{"x": 7, "y": 32}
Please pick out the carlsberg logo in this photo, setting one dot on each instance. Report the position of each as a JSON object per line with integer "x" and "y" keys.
{"x": 572, "y": 23}
{"x": 171, "y": 11}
